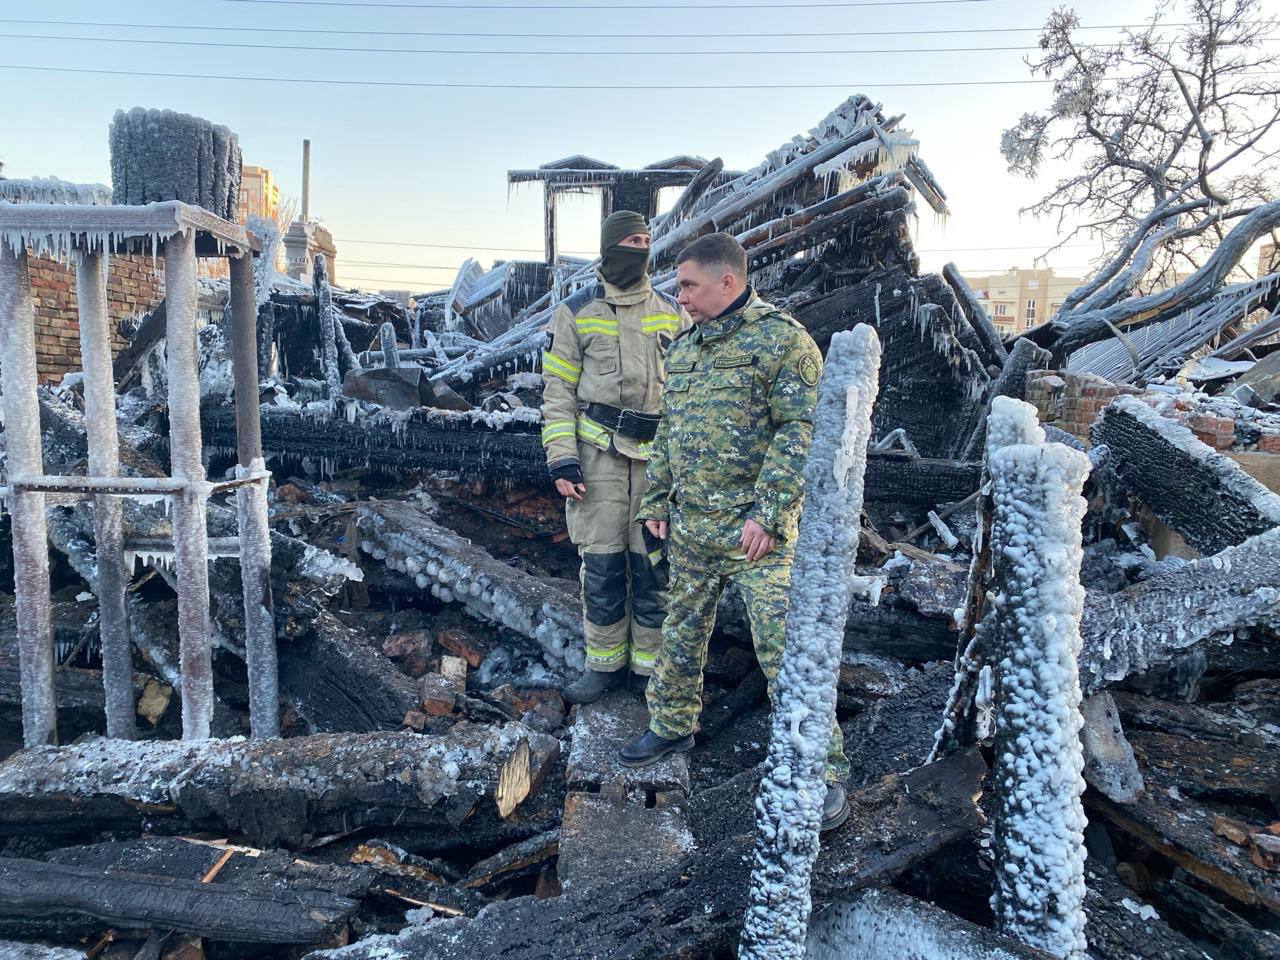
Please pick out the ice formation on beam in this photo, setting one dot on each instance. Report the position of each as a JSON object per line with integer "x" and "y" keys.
{"x": 455, "y": 570}
{"x": 53, "y": 190}
{"x": 887, "y": 925}
{"x": 1035, "y": 612}
{"x": 789, "y": 806}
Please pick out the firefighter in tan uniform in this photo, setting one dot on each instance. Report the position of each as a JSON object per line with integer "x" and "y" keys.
{"x": 602, "y": 374}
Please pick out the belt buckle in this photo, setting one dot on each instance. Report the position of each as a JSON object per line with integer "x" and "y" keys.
{"x": 628, "y": 417}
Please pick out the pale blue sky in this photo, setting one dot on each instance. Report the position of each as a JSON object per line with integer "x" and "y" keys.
{"x": 428, "y": 165}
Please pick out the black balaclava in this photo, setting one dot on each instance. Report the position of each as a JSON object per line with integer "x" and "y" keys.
{"x": 623, "y": 267}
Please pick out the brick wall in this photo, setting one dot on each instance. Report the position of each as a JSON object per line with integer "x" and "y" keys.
{"x": 1072, "y": 401}
{"x": 132, "y": 288}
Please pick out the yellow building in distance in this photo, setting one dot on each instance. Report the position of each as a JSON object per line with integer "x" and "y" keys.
{"x": 1021, "y": 298}
{"x": 259, "y": 195}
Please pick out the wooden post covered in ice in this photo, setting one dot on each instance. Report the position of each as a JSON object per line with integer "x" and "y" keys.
{"x": 789, "y": 806}
{"x": 190, "y": 540}
{"x": 24, "y": 460}
{"x": 108, "y": 510}
{"x": 251, "y": 508}
{"x": 1034, "y": 621}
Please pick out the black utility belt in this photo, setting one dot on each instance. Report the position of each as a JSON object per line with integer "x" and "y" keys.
{"x": 629, "y": 423}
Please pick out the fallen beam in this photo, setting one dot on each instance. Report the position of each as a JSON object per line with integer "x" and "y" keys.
{"x": 42, "y": 899}
{"x": 273, "y": 793}
{"x": 1200, "y": 493}
{"x": 696, "y": 908}
{"x": 455, "y": 569}
{"x": 339, "y": 683}
{"x": 884, "y": 924}
{"x": 1203, "y": 601}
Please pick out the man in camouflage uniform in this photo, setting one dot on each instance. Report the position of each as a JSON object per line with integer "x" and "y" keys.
{"x": 726, "y": 484}
{"x": 602, "y": 374}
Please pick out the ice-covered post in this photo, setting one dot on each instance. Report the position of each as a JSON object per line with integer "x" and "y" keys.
{"x": 190, "y": 534}
{"x": 251, "y": 508}
{"x": 108, "y": 511}
{"x": 390, "y": 355}
{"x": 1007, "y": 425}
{"x": 789, "y": 806}
{"x": 1035, "y": 611}
{"x": 328, "y": 327}
{"x": 25, "y": 459}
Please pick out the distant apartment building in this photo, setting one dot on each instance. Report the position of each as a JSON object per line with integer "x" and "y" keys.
{"x": 1019, "y": 298}
{"x": 259, "y": 195}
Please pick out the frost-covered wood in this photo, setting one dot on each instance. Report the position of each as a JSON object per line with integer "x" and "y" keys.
{"x": 695, "y": 908}
{"x": 1200, "y": 493}
{"x": 1206, "y": 600}
{"x": 162, "y": 155}
{"x": 992, "y": 350}
{"x": 1011, "y": 382}
{"x": 454, "y": 569}
{"x": 271, "y": 792}
{"x": 1035, "y": 616}
{"x": 108, "y": 511}
{"x": 789, "y": 806}
{"x": 23, "y": 458}
{"x": 883, "y": 924}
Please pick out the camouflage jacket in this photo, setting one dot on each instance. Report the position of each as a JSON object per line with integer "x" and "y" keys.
{"x": 737, "y": 423}
{"x": 606, "y": 346}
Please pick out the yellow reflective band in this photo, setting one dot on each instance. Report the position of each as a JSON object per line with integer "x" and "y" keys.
{"x": 643, "y": 449}
{"x": 601, "y": 653}
{"x": 561, "y": 368}
{"x": 660, "y": 323}
{"x": 639, "y": 656}
{"x": 556, "y": 429}
{"x": 655, "y": 557}
{"x": 601, "y": 325}
{"x": 592, "y": 432}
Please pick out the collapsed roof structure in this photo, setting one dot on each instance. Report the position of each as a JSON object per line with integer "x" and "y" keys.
{"x": 431, "y": 796}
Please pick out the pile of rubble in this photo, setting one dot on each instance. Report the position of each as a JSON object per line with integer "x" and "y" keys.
{"x": 431, "y": 796}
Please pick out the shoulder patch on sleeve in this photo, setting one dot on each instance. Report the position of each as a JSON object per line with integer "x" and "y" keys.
{"x": 807, "y": 366}
{"x": 576, "y": 301}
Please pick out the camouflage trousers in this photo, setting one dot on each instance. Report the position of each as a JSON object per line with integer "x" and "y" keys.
{"x": 675, "y": 692}
{"x": 623, "y": 600}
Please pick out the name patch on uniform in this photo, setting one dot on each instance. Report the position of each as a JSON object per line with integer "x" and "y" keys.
{"x": 745, "y": 360}
{"x": 809, "y": 370}
{"x": 679, "y": 366}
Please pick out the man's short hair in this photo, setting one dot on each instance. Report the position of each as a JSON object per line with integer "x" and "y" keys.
{"x": 717, "y": 251}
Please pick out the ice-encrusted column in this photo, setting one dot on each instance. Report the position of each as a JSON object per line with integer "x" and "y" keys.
{"x": 24, "y": 459}
{"x": 108, "y": 511}
{"x": 190, "y": 536}
{"x": 789, "y": 805}
{"x": 328, "y": 320}
{"x": 1008, "y": 423}
{"x": 1034, "y": 616}
{"x": 251, "y": 509}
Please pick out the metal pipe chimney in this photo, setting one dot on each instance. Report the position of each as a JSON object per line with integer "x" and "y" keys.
{"x": 306, "y": 180}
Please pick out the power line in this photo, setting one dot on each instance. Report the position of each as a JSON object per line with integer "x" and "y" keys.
{"x": 772, "y": 35}
{"x": 767, "y": 5}
{"x": 382, "y": 264}
{"x": 519, "y": 53}
{"x": 420, "y": 84}
{"x": 455, "y": 246}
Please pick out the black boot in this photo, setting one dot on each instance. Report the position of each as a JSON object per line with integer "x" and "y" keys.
{"x": 835, "y": 808}
{"x": 638, "y": 683}
{"x": 650, "y": 748}
{"x": 593, "y": 684}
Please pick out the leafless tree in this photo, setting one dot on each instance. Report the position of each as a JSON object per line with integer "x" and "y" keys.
{"x": 1172, "y": 138}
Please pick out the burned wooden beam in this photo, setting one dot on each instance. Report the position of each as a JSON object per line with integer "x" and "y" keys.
{"x": 896, "y": 477}
{"x": 455, "y": 569}
{"x": 338, "y": 682}
{"x": 62, "y": 900}
{"x": 476, "y": 445}
{"x": 1207, "y": 600}
{"x": 696, "y": 907}
{"x": 271, "y": 792}
{"x": 1200, "y": 493}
